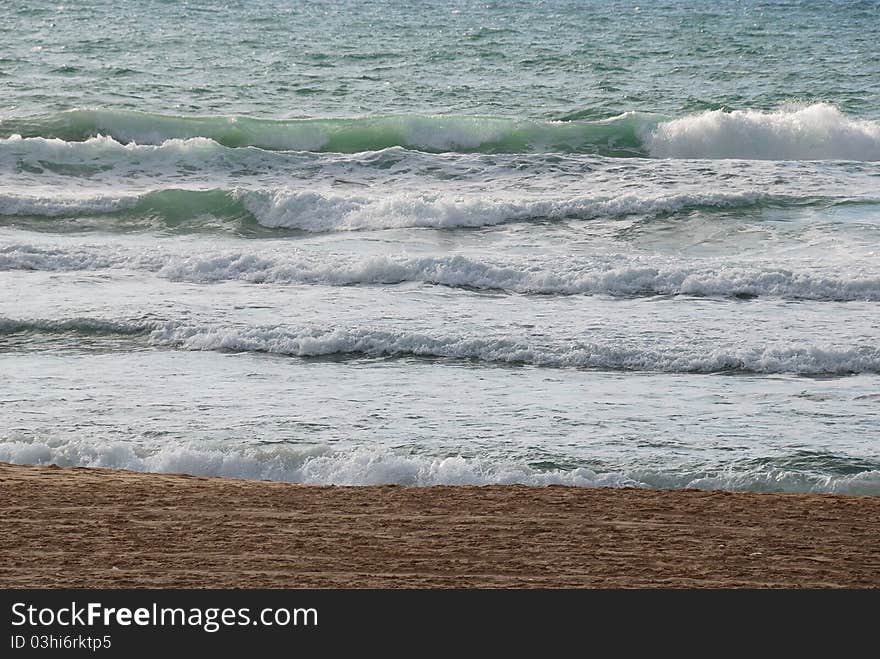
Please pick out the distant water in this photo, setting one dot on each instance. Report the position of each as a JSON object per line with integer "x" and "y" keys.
{"x": 594, "y": 243}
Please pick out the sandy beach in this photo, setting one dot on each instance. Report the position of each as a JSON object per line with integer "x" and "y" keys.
{"x": 75, "y": 527}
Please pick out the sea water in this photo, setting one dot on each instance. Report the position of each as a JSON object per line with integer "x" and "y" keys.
{"x": 592, "y": 243}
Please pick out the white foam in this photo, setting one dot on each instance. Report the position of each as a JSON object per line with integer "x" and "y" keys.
{"x": 687, "y": 357}
{"x": 106, "y": 150}
{"x": 356, "y": 467}
{"x": 317, "y": 211}
{"x": 68, "y": 204}
{"x": 150, "y": 129}
{"x": 614, "y": 275}
{"x": 439, "y": 133}
{"x": 815, "y": 132}
{"x": 362, "y": 466}
{"x": 819, "y": 131}
{"x": 776, "y": 479}
{"x": 77, "y": 256}
{"x": 351, "y": 134}
{"x": 310, "y": 342}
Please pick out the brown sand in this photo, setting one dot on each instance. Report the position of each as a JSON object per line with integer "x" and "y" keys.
{"x": 114, "y": 529}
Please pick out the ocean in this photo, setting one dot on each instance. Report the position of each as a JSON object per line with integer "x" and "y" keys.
{"x": 591, "y": 243}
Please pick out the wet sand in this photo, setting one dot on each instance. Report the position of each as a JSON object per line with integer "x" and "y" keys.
{"x": 74, "y": 527}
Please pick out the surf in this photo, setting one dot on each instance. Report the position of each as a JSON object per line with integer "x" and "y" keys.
{"x": 316, "y": 211}
{"x": 818, "y": 131}
{"x": 616, "y": 136}
{"x": 814, "y": 132}
{"x": 374, "y": 466}
{"x": 613, "y": 276}
{"x": 339, "y": 343}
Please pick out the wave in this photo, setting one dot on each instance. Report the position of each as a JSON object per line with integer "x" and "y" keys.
{"x": 104, "y": 151}
{"x": 581, "y": 277}
{"x": 314, "y": 211}
{"x": 367, "y": 342}
{"x": 374, "y": 343}
{"x": 80, "y": 326}
{"x": 172, "y": 206}
{"x": 374, "y": 467}
{"x": 618, "y": 136}
{"x": 813, "y": 132}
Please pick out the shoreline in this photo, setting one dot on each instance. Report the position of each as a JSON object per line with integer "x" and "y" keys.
{"x": 76, "y": 527}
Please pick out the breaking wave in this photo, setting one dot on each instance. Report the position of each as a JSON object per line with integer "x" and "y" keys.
{"x": 366, "y": 342}
{"x": 816, "y": 132}
{"x": 314, "y": 211}
{"x": 813, "y": 132}
{"x": 373, "y": 343}
{"x": 607, "y": 276}
{"x": 365, "y": 466}
{"x": 618, "y": 136}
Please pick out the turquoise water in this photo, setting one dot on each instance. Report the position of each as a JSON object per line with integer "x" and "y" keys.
{"x": 595, "y": 243}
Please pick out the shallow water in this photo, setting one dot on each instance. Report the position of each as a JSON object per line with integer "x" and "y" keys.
{"x": 335, "y": 242}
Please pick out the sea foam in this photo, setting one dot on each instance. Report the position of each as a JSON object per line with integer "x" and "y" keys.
{"x": 322, "y": 211}
{"x": 491, "y": 348}
{"x": 365, "y": 466}
{"x": 610, "y": 275}
{"x": 377, "y": 343}
{"x": 815, "y": 132}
